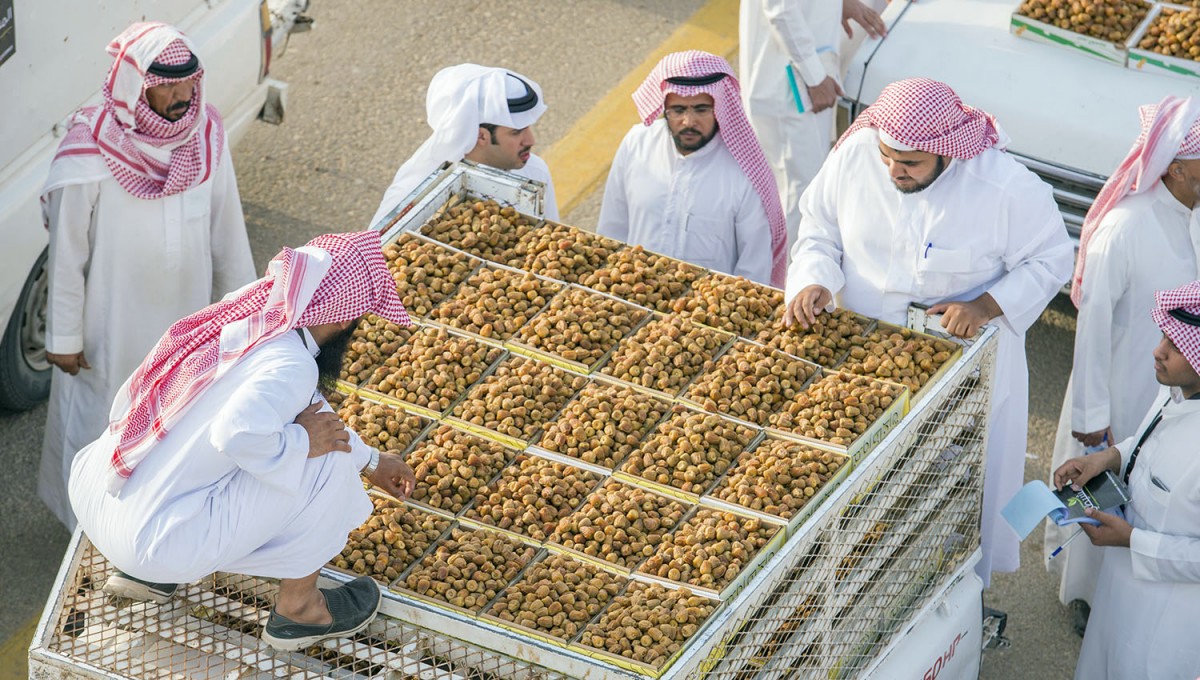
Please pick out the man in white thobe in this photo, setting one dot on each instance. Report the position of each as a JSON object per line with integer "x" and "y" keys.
{"x": 222, "y": 456}
{"x": 1148, "y": 590}
{"x": 481, "y": 114}
{"x": 788, "y": 60}
{"x": 690, "y": 181}
{"x": 919, "y": 203}
{"x": 145, "y": 227}
{"x": 1137, "y": 238}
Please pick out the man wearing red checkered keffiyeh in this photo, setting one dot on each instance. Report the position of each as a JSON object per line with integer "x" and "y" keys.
{"x": 918, "y": 203}
{"x": 1137, "y": 238}
{"x": 145, "y": 227}
{"x": 690, "y": 181}
{"x": 222, "y": 456}
{"x": 1148, "y": 587}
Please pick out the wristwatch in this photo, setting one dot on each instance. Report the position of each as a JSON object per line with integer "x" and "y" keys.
{"x": 372, "y": 465}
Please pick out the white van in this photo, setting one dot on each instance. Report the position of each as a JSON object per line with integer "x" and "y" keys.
{"x": 1071, "y": 118}
{"x": 52, "y": 61}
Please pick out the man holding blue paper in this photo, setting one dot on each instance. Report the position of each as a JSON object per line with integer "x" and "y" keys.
{"x": 1148, "y": 591}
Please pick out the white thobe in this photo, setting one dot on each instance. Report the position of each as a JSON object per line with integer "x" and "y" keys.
{"x": 987, "y": 225}
{"x": 122, "y": 270}
{"x": 776, "y": 34}
{"x": 535, "y": 169}
{"x": 230, "y": 487}
{"x": 700, "y": 208}
{"x": 1145, "y": 244}
{"x": 1143, "y": 618}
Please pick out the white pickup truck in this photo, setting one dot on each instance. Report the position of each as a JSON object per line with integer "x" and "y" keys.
{"x": 52, "y": 61}
{"x": 1071, "y": 118}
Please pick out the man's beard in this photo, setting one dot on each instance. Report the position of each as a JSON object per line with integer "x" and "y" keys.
{"x": 938, "y": 168}
{"x": 329, "y": 361}
{"x": 688, "y": 148}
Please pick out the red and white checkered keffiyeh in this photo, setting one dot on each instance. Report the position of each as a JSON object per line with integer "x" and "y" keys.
{"x": 734, "y": 129}
{"x": 1186, "y": 337}
{"x": 334, "y": 278}
{"x": 928, "y": 116}
{"x": 149, "y": 156}
{"x": 1170, "y": 130}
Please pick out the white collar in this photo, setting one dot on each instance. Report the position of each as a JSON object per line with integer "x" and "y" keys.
{"x": 1163, "y": 194}
{"x": 309, "y": 342}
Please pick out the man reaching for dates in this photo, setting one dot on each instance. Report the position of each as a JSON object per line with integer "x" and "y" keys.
{"x": 919, "y": 203}
{"x": 220, "y": 454}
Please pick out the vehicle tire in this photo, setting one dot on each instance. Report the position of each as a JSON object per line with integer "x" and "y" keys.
{"x": 24, "y": 371}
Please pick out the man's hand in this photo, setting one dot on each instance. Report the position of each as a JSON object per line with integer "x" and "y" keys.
{"x": 1094, "y": 438}
{"x": 326, "y": 432}
{"x": 824, "y": 95}
{"x": 1112, "y": 530}
{"x": 69, "y": 363}
{"x": 393, "y": 476}
{"x": 964, "y": 319}
{"x": 806, "y": 305}
{"x": 1079, "y": 471}
{"x": 869, "y": 19}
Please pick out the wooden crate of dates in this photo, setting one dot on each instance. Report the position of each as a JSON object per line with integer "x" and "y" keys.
{"x": 826, "y": 342}
{"x": 602, "y": 425}
{"x": 393, "y": 537}
{"x": 372, "y": 342}
{"x": 577, "y": 329}
{"x": 618, "y": 526}
{"x": 900, "y": 355}
{"x": 1096, "y": 28}
{"x": 750, "y": 382}
{"x": 482, "y": 228}
{"x": 425, "y": 272}
{"x": 845, "y": 410}
{"x": 687, "y": 453}
{"x": 451, "y": 466}
{"x": 466, "y": 569}
{"x": 381, "y": 426}
{"x": 714, "y": 552}
{"x": 646, "y": 627}
{"x": 562, "y": 253}
{"x": 432, "y": 370}
{"x": 513, "y": 403}
{"x": 554, "y": 599}
{"x": 530, "y": 497}
{"x": 495, "y": 302}
{"x": 730, "y": 303}
{"x": 779, "y": 480}
{"x": 644, "y": 278}
{"x": 666, "y": 354}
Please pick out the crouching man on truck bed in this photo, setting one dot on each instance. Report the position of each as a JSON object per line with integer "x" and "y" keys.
{"x": 919, "y": 203}
{"x": 145, "y": 227}
{"x": 222, "y": 456}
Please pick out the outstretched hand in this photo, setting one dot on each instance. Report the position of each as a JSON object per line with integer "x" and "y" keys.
{"x": 393, "y": 476}
{"x": 808, "y": 303}
{"x": 868, "y": 18}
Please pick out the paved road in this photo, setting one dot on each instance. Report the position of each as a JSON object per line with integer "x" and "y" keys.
{"x": 356, "y": 111}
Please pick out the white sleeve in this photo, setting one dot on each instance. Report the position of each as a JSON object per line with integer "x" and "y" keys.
{"x": 614, "y": 210}
{"x": 69, "y": 212}
{"x": 232, "y": 263}
{"x": 391, "y": 197}
{"x": 1106, "y": 279}
{"x": 816, "y": 257}
{"x": 752, "y": 235}
{"x": 789, "y": 27}
{"x": 1039, "y": 256}
{"x": 1164, "y": 557}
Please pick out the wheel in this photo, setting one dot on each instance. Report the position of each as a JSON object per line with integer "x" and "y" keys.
{"x": 24, "y": 371}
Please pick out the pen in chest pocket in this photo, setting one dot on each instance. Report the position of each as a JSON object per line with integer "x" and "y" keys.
{"x": 927, "y": 247}
{"x": 1159, "y": 483}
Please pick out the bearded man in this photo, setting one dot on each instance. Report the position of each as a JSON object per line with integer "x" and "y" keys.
{"x": 223, "y": 456}
{"x": 482, "y": 114}
{"x": 690, "y": 181}
{"x": 145, "y": 227}
{"x": 919, "y": 203}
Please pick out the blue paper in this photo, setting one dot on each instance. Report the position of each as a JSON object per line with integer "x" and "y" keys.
{"x": 1029, "y": 507}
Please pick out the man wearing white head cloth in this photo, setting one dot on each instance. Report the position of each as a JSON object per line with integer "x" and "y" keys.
{"x": 919, "y": 203}
{"x": 222, "y": 456}
{"x": 1148, "y": 589}
{"x": 690, "y": 181}
{"x": 481, "y": 114}
{"x": 1138, "y": 237}
{"x": 145, "y": 227}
